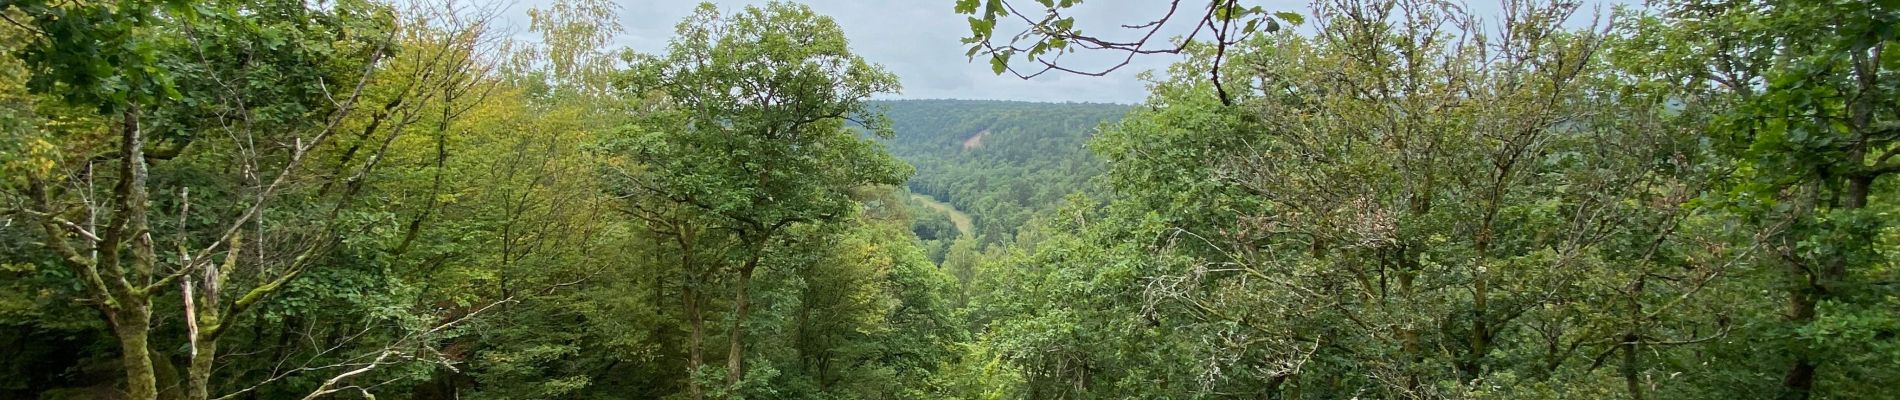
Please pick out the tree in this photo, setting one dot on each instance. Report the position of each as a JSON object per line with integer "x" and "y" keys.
{"x": 999, "y": 161}
{"x": 257, "y": 92}
{"x": 751, "y": 132}
{"x": 1798, "y": 91}
{"x": 1403, "y": 203}
{"x": 154, "y": 85}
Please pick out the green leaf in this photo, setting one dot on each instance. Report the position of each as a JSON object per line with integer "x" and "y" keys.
{"x": 1290, "y": 17}
{"x": 966, "y": 6}
{"x": 981, "y": 28}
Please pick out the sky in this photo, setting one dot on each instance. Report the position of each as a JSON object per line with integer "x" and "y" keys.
{"x": 919, "y": 40}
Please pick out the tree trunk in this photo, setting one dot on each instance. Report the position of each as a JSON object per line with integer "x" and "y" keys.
{"x": 1798, "y": 384}
{"x": 169, "y": 386}
{"x": 132, "y": 323}
{"x": 1799, "y": 381}
{"x": 735, "y": 356}
{"x": 205, "y": 322}
{"x": 1479, "y": 338}
{"x": 695, "y": 344}
{"x": 198, "y": 375}
{"x": 801, "y": 337}
{"x": 690, "y": 296}
{"x": 1631, "y": 379}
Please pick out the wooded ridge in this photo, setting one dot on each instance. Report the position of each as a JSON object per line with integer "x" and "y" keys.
{"x": 1360, "y": 199}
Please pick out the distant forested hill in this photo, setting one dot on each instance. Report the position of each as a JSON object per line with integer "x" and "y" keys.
{"x": 1000, "y": 161}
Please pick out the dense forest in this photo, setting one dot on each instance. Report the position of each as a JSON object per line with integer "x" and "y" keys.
{"x": 1368, "y": 199}
{"x": 1000, "y": 161}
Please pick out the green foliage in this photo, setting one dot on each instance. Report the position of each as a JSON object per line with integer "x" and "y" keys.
{"x": 1800, "y": 111}
{"x": 725, "y": 147}
{"x": 1001, "y": 162}
{"x": 290, "y": 200}
{"x": 1544, "y": 232}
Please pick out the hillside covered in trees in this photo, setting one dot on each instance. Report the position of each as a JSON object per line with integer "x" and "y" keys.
{"x": 1370, "y": 199}
{"x": 1000, "y": 161}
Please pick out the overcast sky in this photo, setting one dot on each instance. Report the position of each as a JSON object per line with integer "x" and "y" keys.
{"x": 919, "y": 41}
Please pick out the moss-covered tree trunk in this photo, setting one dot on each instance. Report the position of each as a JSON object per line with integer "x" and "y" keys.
{"x": 132, "y": 325}
{"x": 198, "y": 376}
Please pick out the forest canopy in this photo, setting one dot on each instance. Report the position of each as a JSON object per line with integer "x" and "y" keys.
{"x": 1392, "y": 199}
